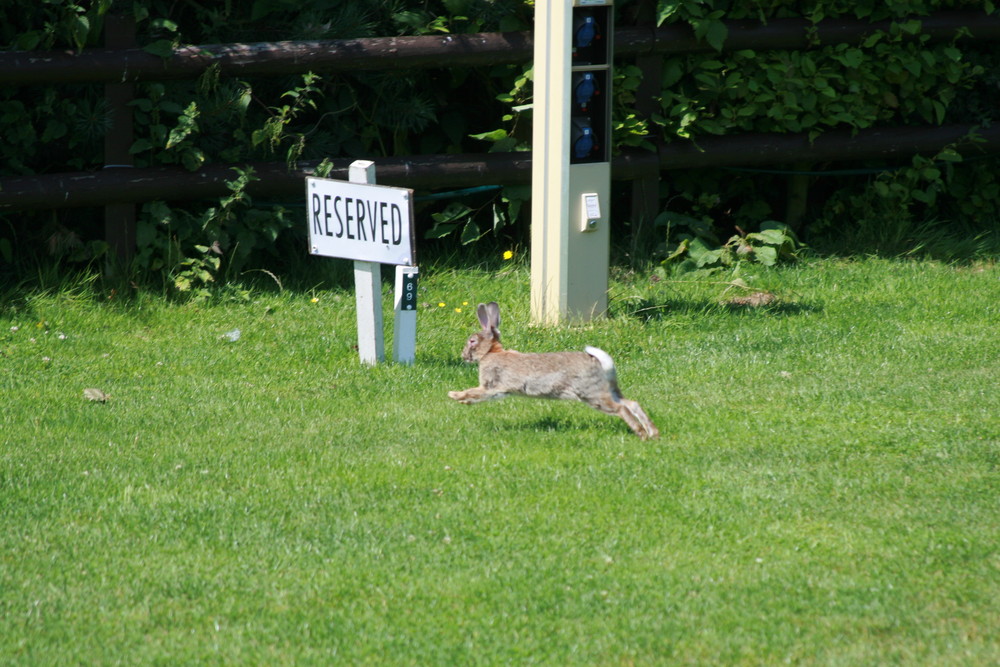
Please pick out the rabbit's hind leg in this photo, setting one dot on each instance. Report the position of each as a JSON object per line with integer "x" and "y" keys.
{"x": 629, "y": 411}
{"x": 637, "y": 413}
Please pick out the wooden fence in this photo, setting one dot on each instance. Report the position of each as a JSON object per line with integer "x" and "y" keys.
{"x": 121, "y": 64}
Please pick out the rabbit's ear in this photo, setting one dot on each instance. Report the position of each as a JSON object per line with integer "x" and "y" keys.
{"x": 484, "y": 318}
{"x": 493, "y": 314}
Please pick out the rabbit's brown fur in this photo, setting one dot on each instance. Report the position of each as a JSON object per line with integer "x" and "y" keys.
{"x": 584, "y": 376}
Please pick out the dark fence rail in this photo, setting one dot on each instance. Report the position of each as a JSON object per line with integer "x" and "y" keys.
{"x": 389, "y": 53}
{"x": 122, "y": 184}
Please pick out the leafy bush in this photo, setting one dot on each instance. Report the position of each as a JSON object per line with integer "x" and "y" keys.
{"x": 892, "y": 77}
{"x": 237, "y": 120}
{"x": 895, "y": 76}
{"x": 697, "y": 247}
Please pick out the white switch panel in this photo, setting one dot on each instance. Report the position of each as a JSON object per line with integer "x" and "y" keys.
{"x": 591, "y": 211}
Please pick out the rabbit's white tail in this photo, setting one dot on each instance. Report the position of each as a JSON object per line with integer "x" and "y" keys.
{"x": 608, "y": 365}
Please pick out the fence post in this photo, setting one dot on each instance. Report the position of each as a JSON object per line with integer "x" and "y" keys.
{"x": 119, "y": 217}
{"x": 646, "y": 188}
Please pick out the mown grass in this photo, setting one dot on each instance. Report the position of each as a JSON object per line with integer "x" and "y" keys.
{"x": 825, "y": 490}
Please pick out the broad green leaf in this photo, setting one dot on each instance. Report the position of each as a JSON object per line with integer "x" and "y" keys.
{"x": 773, "y": 236}
{"x": 139, "y": 145}
{"x": 949, "y": 155}
{"x": 716, "y": 34}
{"x": 440, "y": 230}
{"x": 665, "y": 9}
{"x": 80, "y": 29}
{"x": 495, "y": 135}
{"x": 939, "y": 111}
{"x": 165, "y": 24}
{"x": 54, "y": 129}
{"x": 454, "y": 212}
{"x": 28, "y": 41}
{"x": 471, "y": 233}
{"x": 953, "y": 53}
{"x": 682, "y": 248}
{"x": 766, "y": 255}
{"x": 852, "y": 58}
{"x": 161, "y": 47}
{"x": 193, "y": 159}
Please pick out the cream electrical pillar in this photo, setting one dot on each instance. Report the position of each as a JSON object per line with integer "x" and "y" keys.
{"x": 571, "y": 160}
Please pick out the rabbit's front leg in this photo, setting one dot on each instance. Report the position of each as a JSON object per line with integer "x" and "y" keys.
{"x": 475, "y": 395}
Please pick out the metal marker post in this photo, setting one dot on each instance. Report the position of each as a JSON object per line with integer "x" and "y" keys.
{"x": 404, "y": 334}
{"x": 368, "y": 286}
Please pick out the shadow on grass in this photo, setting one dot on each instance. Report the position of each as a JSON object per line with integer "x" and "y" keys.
{"x": 650, "y": 310}
{"x": 569, "y": 427}
{"x": 445, "y": 360}
{"x": 549, "y": 424}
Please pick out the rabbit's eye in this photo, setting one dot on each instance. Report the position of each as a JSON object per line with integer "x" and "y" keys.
{"x": 472, "y": 341}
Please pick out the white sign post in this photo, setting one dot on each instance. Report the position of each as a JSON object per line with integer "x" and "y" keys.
{"x": 373, "y": 225}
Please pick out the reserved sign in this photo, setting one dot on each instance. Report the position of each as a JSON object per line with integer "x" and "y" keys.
{"x": 360, "y": 221}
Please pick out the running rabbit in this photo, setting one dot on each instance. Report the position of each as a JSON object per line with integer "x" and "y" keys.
{"x": 584, "y": 376}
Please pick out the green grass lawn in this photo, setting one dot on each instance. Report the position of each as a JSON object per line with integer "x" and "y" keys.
{"x": 825, "y": 489}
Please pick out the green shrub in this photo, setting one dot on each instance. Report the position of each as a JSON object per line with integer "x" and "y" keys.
{"x": 892, "y": 77}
